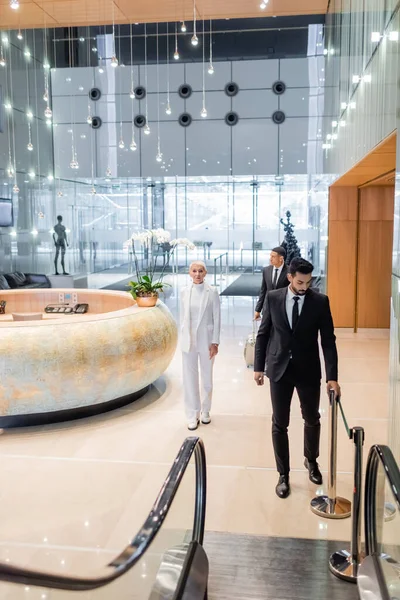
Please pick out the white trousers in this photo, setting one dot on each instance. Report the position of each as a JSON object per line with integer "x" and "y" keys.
{"x": 194, "y": 364}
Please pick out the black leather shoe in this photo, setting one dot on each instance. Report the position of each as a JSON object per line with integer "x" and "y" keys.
{"x": 313, "y": 471}
{"x": 283, "y": 488}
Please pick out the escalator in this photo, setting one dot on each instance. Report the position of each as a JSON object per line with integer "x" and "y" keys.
{"x": 379, "y": 573}
{"x": 164, "y": 561}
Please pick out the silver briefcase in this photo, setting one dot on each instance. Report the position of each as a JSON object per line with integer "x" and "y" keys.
{"x": 249, "y": 348}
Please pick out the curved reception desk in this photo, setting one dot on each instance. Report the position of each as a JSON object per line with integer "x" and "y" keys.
{"x": 61, "y": 366}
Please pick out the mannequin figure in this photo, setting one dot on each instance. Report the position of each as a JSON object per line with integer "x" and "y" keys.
{"x": 61, "y": 242}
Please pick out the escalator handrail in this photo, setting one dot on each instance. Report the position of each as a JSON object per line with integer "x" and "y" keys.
{"x": 378, "y": 454}
{"x": 143, "y": 539}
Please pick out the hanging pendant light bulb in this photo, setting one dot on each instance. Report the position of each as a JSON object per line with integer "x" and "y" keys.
{"x": 114, "y": 61}
{"x": 10, "y": 171}
{"x": 29, "y": 146}
{"x": 176, "y": 53}
{"x": 108, "y": 172}
{"x": 133, "y": 145}
{"x": 48, "y": 113}
{"x": 195, "y": 39}
{"x": 15, "y": 189}
{"x": 168, "y": 110}
{"x": 46, "y": 95}
{"x": 203, "y": 112}
{"x": 74, "y": 164}
{"x": 121, "y": 144}
{"x": 14, "y": 4}
{"x": 93, "y": 191}
{"x": 60, "y": 194}
{"x": 159, "y": 157}
{"x": 132, "y": 94}
{"x": 89, "y": 120}
{"x": 146, "y": 129}
{"x": 211, "y": 66}
{"x": 183, "y": 27}
{"x": 19, "y": 35}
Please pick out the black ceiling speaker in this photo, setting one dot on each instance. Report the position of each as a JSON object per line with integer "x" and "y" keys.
{"x": 185, "y": 90}
{"x": 231, "y": 119}
{"x": 96, "y": 122}
{"x": 140, "y": 121}
{"x": 231, "y": 89}
{"x": 185, "y": 119}
{"x": 95, "y": 94}
{"x": 279, "y": 88}
{"x": 278, "y": 117}
{"x": 140, "y": 92}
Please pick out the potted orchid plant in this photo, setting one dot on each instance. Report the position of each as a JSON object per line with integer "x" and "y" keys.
{"x": 148, "y": 285}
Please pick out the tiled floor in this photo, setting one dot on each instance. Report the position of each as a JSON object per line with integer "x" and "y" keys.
{"x": 74, "y": 494}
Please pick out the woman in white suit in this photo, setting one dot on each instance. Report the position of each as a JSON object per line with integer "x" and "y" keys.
{"x": 200, "y": 334}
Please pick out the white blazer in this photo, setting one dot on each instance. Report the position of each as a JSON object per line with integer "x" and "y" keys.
{"x": 209, "y": 323}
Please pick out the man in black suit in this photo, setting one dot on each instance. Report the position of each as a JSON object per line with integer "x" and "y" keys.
{"x": 274, "y": 276}
{"x": 288, "y": 338}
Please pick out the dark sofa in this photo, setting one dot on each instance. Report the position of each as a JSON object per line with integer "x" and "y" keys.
{"x": 23, "y": 281}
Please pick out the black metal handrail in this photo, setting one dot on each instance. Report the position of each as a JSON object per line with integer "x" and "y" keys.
{"x": 143, "y": 539}
{"x": 378, "y": 455}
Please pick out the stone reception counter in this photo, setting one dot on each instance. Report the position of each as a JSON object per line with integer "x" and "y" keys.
{"x": 68, "y": 365}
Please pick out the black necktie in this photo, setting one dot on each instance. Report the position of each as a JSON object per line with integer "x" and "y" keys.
{"x": 275, "y": 279}
{"x": 295, "y": 313}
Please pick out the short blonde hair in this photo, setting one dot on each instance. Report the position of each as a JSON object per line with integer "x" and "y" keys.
{"x": 199, "y": 263}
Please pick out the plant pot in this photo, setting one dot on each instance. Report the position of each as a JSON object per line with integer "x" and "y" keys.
{"x": 147, "y": 301}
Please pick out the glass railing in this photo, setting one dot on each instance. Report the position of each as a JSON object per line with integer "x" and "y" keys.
{"x": 379, "y": 574}
{"x": 163, "y": 561}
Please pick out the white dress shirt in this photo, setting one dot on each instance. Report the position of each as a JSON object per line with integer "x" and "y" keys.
{"x": 195, "y": 303}
{"x": 279, "y": 273}
{"x": 290, "y": 304}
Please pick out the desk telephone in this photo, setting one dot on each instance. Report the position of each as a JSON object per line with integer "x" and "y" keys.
{"x": 78, "y": 309}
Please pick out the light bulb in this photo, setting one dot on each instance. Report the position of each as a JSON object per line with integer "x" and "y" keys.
{"x": 50, "y": 177}
{"x": 108, "y": 172}
{"x": 114, "y": 61}
{"x": 263, "y": 6}
{"x": 203, "y": 112}
{"x": 14, "y": 4}
{"x": 93, "y": 191}
{"x": 31, "y": 174}
{"x": 121, "y": 144}
{"x": 15, "y": 189}
{"x": 159, "y": 156}
{"x": 60, "y": 194}
{"x": 10, "y": 172}
{"x": 48, "y": 122}
{"x": 2, "y": 61}
{"x": 132, "y": 94}
{"x": 94, "y": 49}
{"x": 29, "y": 114}
{"x": 101, "y": 70}
{"x": 27, "y": 53}
{"x": 183, "y": 27}
{"x": 48, "y": 113}
{"x": 19, "y": 35}
{"x": 211, "y": 69}
{"x": 89, "y": 120}
{"x": 81, "y": 39}
{"x": 7, "y": 106}
{"x": 30, "y": 147}
{"x": 168, "y": 110}
{"x": 176, "y": 55}
{"x": 46, "y": 96}
{"x": 46, "y": 66}
{"x": 147, "y": 129}
{"x": 194, "y": 40}
{"x": 74, "y": 164}
{"x": 133, "y": 145}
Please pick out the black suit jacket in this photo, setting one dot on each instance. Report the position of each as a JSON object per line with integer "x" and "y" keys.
{"x": 276, "y": 342}
{"x": 267, "y": 280}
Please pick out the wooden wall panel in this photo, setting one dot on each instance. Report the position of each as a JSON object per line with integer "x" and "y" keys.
{"x": 342, "y": 254}
{"x": 375, "y": 256}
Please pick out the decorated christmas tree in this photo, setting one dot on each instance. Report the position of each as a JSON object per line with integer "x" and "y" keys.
{"x": 290, "y": 242}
